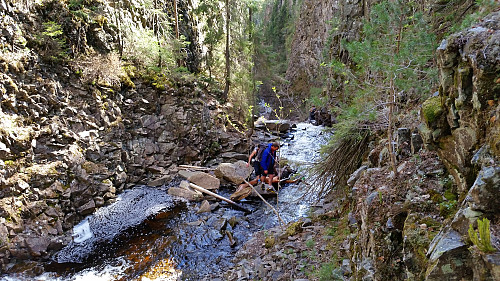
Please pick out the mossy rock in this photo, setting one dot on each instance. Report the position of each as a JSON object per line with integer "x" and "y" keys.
{"x": 436, "y": 197}
{"x": 432, "y": 110}
{"x": 294, "y": 228}
{"x": 494, "y": 140}
{"x": 269, "y": 242}
{"x": 450, "y": 195}
{"x": 418, "y": 238}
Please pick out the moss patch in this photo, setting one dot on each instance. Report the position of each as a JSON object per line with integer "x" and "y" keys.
{"x": 269, "y": 242}
{"x": 432, "y": 110}
{"x": 294, "y": 228}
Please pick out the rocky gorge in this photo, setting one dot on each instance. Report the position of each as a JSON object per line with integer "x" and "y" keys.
{"x": 415, "y": 226}
{"x": 73, "y": 137}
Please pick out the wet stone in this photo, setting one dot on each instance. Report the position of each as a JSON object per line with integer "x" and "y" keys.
{"x": 204, "y": 207}
{"x": 37, "y": 245}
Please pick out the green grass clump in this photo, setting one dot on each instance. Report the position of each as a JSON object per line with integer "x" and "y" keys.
{"x": 483, "y": 241}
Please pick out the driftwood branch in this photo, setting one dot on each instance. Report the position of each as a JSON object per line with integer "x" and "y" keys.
{"x": 201, "y": 189}
{"x": 189, "y": 167}
{"x": 270, "y": 206}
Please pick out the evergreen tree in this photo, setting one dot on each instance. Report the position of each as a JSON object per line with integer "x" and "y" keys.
{"x": 392, "y": 62}
{"x": 394, "y": 59}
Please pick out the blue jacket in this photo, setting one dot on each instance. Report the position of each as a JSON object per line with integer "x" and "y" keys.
{"x": 267, "y": 159}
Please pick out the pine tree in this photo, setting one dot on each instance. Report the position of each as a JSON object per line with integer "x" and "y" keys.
{"x": 391, "y": 60}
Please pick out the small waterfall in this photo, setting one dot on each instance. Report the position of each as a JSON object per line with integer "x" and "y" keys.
{"x": 131, "y": 208}
{"x": 82, "y": 232}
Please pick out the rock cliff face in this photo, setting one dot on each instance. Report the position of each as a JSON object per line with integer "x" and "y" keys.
{"x": 466, "y": 136}
{"x": 416, "y": 228}
{"x": 320, "y": 29}
{"x": 69, "y": 145}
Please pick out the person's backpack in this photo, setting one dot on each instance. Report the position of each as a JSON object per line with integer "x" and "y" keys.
{"x": 260, "y": 150}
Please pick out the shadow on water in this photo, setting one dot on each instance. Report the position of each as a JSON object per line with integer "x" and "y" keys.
{"x": 148, "y": 235}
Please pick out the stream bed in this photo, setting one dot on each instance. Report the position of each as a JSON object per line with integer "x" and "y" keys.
{"x": 148, "y": 235}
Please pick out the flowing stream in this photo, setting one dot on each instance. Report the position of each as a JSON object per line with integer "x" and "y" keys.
{"x": 148, "y": 235}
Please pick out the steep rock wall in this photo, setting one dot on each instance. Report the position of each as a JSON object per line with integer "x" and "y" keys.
{"x": 465, "y": 134}
{"x": 416, "y": 227}
{"x": 321, "y": 27}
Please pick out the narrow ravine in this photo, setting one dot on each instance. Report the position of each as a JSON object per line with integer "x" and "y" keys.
{"x": 148, "y": 235}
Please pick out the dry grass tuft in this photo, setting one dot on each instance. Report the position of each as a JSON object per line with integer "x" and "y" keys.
{"x": 342, "y": 159}
{"x": 104, "y": 70}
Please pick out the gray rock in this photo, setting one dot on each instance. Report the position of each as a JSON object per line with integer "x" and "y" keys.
{"x": 403, "y": 141}
{"x": 356, "y": 175}
{"x": 202, "y": 179}
{"x": 234, "y": 156}
{"x": 87, "y": 208}
{"x": 449, "y": 258}
{"x": 233, "y": 172}
{"x": 417, "y": 142}
{"x": 184, "y": 193}
{"x": 204, "y": 207}
{"x": 160, "y": 181}
{"x": 37, "y": 245}
{"x": 484, "y": 193}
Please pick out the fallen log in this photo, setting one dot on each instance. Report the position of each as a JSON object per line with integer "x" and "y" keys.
{"x": 201, "y": 189}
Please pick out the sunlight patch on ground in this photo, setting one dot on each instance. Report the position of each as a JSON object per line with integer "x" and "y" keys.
{"x": 11, "y": 126}
{"x": 163, "y": 270}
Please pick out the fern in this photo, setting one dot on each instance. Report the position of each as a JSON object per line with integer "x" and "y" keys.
{"x": 483, "y": 242}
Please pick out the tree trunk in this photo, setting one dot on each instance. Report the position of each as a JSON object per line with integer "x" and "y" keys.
{"x": 392, "y": 101}
{"x": 209, "y": 57}
{"x": 252, "y": 68}
{"x": 156, "y": 23}
{"x": 228, "y": 63}
{"x": 180, "y": 62}
{"x": 176, "y": 21}
{"x": 201, "y": 189}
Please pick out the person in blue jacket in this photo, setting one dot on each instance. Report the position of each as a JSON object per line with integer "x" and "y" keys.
{"x": 267, "y": 162}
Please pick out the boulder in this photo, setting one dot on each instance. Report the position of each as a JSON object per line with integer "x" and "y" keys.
{"x": 356, "y": 175}
{"x": 202, "y": 179}
{"x": 160, "y": 181}
{"x": 484, "y": 192}
{"x": 234, "y": 156}
{"x": 37, "y": 245}
{"x": 234, "y": 173}
{"x": 281, "y": 126}
{"x": 87, "y": 208}
{"x": 449, "y": 258}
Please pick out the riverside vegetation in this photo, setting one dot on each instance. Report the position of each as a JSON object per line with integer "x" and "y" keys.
{"x": 100, "y": 96}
